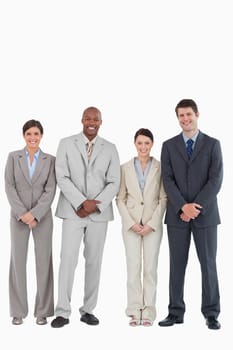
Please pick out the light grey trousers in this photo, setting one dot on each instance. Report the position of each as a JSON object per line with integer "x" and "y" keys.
{"x": 93, "y": 235}
{"x": 42, "y": 236}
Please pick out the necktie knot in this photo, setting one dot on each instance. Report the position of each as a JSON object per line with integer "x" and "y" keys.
{"x": 189, "y": 147}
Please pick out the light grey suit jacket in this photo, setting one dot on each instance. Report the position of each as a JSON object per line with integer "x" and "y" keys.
{"x": 25, "y": 194}
{"x": 135, "y": 206}
{"x": 79, "y": 179}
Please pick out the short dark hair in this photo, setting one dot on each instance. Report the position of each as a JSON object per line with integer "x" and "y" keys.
{"x": 187, "y": 103}
{"x": 31, "y": 124}
{"x": 144, "y": 132}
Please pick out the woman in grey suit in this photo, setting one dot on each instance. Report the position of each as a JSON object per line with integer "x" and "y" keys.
{"x": 30, "y": 185}
{"x": 141, "y": 202}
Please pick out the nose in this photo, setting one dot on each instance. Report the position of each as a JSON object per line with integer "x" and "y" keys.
{"x": 91, "y": 122}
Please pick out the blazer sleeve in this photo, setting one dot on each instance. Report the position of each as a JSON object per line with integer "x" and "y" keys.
{"x": 157, "y": 217}
{"x": 173, "y": 192}
{"x": 209, "y": 192}
{"x": 121, "y": 199}
{"x": 112, "y": 181}
{"x": 15, "y": 202}
{"x": 44, "y": 203}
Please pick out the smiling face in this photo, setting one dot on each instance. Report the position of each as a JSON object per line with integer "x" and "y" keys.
{"x": 143, "y": 145}
{"x": 91, "y": 121}
{"x": 188, "y": 120}
{"x": 32, "y": 137}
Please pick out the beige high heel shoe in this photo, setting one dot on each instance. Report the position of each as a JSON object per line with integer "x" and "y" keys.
{"x": 134, "y": 322}
{"x": 146, "y": 323}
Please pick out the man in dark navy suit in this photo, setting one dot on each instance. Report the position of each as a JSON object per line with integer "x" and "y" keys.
{"x": 192, "y": 172}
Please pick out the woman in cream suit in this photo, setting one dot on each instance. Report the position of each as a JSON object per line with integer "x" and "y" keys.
{"x": 30, "y": 185}
{"x": 141, "y": 202}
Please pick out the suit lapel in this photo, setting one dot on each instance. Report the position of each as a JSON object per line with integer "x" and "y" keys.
{"x": 179, "y": 142}
{"x": 23, "y": 165}
{"x": 39, "y": 166}
{"x": 198, "y": 146}
{"x": 98, "y": 147}
{"x": 150, "y": 176}
{"x": 134, "y": 180}
{"x": 80, "y": 144}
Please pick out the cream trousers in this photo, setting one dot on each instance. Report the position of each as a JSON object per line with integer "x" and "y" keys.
{"x": 142, "y": 261}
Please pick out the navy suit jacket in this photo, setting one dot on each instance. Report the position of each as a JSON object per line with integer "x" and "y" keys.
{"x": 197, "y": 179}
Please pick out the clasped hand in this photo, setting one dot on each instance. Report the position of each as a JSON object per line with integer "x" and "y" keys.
{"x": 190, "y": 211}
{"x": 88, "y": 207}
{"x": 141, "y": 230}
{"x": 29, "y": 220}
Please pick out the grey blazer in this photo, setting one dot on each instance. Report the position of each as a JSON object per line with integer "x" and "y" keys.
{"x": 24, "y": 194}
{"x": 79, "y": 180}
{"x": 197, "y": 179}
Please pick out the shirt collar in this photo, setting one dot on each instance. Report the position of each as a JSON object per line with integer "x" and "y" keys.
{"x": 194, "y": 138}
{"x": 86, "y": 139}
{"x": 36, "y": 155}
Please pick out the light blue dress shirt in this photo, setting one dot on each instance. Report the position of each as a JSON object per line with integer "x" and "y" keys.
{"x": 140, "y": 175}
{"x": 32, "y": 167}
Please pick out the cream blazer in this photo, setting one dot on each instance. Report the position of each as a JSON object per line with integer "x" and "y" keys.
{"x": 134, "y": 206}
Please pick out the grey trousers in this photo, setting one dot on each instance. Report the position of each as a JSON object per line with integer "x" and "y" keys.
{"x": 42, "y": 236}
{"x": 93, "y": 235}
{"x": 205, "y": 240}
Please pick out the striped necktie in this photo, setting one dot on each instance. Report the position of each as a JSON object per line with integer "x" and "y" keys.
{"x": 189, "y": 147}
{"x": 89, "y": 149}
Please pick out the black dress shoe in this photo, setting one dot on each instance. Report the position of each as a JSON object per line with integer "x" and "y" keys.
{"x": 170, "y": 320}
{"x": 59, "y": 322}
{"x": 89, "y": 319}
{"x": 212, "y": 322}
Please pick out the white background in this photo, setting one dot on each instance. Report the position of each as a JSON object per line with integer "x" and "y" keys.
{"x": 134, "y": 60}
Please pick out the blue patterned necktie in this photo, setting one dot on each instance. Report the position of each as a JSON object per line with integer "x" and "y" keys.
{"x": 189, "y": 147}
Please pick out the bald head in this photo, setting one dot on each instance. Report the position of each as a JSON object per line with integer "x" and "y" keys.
{"x": 92, "y": 110}
{"x": 91, "y": 121}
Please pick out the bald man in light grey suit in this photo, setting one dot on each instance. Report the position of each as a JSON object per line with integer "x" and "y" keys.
{"x": 89, "y": 177}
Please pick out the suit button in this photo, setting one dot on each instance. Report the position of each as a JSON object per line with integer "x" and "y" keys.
{"x": 142, "y": 203}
